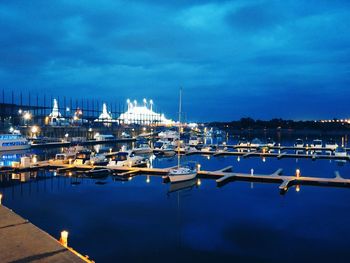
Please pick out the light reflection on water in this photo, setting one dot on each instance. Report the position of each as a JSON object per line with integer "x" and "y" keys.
{"x": 146, "y": 220}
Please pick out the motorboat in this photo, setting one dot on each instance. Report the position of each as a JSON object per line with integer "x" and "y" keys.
{"x": 256, "y": 143}
{"x": 194, "y": 141}
{"x": 317, "y": 144}
{"x": 98, "y": 159}
{"x": 127, "y": 158}
{"x": 10, "y": 142}
{"x": 331, "y": 144}
{"x": 243, "y": 144}
{"x": 142, "y": 148}
{"x": 340, "y": 152}
{"x": 299, "y": 143}
{"x": 63, "y": 158}
{"x": 126, "y": 135}
{"x": 208, "y": 148}
{"x": 169, "y": 135}
{"x": 103, "y": 137}
{"x": 166, "y": 149}
{"x": 270, "y": 142}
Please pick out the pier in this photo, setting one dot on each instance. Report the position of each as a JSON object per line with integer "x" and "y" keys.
{"x": 22, "y": 241}
{"x": 221, "y": 176}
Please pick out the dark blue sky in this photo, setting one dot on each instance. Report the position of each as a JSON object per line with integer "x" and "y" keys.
{"x": 262, "y": 59}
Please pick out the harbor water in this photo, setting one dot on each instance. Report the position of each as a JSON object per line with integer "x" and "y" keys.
{"x": 146, "y": 220}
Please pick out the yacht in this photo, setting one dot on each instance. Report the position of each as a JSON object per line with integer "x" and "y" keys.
{"x": 169, "y": 135}
{"x": 103, "y": 137}
{"x": 331, "y": 144}
{"x": 194, "y": 141}
{"x": 127, "y": 158}
{"x": 243, "y": 144}
{"x": 142, "y": 148}
{"x": 10, "y": 142}
{"x": 181, "y": 173}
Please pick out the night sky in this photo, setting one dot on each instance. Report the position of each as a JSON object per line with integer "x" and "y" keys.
{"x": 234, "y": 59}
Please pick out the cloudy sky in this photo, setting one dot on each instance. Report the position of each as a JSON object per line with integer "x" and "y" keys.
{"x": 257, "y": 58}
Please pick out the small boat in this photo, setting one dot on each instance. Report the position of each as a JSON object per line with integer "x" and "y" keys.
{"x": 182, "y": 173}
{"x": 63, "y": 158}
{"x": 255, "y": 143}
{"x": 270, "y": 142}
{"x": 243, "y": 142}
{"x": 98, "y": 159}
{"x": 194, "y": 141}
{"x": 317, "y": 145}
{"x": 97, "y": 172}
{"x": 299, "y": 143}
{"x": 166, "y": 150}
{"x": 331, "y": 144}
{"x": 340, "y": 152}
{"x": 207, "y": 148}
{"x": 126, "y": 135}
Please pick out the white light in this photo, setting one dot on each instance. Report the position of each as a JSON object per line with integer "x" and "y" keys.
{"x": 66, "y": 135}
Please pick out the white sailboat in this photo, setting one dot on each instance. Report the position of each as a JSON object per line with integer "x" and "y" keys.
{"x": 181, "y": 173}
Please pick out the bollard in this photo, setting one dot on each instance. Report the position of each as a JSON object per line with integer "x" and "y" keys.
{"x": 297, "y": 172}
{"x": 64, "y": 238}
{"x": 252, "y": 172}
{"x": 198, "y": 167}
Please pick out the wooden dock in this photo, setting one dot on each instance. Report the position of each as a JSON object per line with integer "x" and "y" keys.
{"x": 21, "y": 241}
{"x": 222, "y": 176}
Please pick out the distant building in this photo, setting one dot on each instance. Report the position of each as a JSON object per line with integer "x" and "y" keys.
{"x": 142, "y": 114}
{"x": 105, "y": 116}
{"x": 55, "y": 118}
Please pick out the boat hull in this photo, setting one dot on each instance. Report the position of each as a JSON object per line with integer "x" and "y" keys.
{"x": 182, "y": 178}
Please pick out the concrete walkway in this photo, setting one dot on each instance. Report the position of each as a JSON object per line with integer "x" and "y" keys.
{"x": 21, "y": 241}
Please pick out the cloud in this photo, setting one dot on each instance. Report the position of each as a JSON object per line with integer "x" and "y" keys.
{"x": 219, "y": 51}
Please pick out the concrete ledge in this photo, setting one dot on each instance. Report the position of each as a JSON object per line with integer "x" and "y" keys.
{"x": 21, "y": 241}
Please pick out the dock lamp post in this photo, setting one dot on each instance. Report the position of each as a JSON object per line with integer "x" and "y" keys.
{"x": 27, "y": 117}
{"x": 64, "y": 238}
{"x": 34, "y": 130}
{"x": 0, "y": 199}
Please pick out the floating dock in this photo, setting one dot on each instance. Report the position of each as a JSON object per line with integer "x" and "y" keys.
{"x": 222, "y": 176}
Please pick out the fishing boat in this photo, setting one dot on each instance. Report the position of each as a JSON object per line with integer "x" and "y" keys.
{"x": 181, "y": 173}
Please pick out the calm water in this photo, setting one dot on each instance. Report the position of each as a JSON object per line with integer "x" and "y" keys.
{"x": 139, "y": 221}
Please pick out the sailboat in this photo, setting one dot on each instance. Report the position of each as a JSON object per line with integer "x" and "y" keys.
{"x": 181, "y": 173}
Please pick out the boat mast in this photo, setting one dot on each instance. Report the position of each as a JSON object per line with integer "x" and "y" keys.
{"x": 179, "y": 144}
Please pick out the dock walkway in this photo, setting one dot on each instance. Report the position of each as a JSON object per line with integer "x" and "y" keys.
{"x": 21, "y": 241}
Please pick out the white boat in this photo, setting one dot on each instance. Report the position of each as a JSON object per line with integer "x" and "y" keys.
{"x": 340, "y": 152}
{"x": 256, "y": 143}
{"x": 194, "y": 141}
{"x": 181, "y": 173}
{"x": 207, "y": 149}
{"x": 103, "y": 137}
{"x": 127, "y": 158}
{"x": 10, "y": 142}
{"x": 331, "y": 144}
{"x": 317, "y": 144}
{"x": 142, "y": 148}
{"x": 169, "y": 135}
{"x": 270, "y": 142}
{"x": 299, "y": 143}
